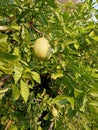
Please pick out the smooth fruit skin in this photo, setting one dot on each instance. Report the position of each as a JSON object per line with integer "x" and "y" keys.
{"x": 54, "y": 112}
{"x": 42, "y": 48}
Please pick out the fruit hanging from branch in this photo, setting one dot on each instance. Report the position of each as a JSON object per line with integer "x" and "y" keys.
{"x": 42, "y": 48}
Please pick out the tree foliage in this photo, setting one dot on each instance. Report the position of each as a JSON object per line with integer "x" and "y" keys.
{"x": 62, "y": 92}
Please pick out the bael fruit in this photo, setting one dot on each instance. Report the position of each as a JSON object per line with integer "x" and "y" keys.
{"x": 42, "y": 48}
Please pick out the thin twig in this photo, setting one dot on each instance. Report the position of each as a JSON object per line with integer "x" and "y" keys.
{"x": 38, "y": 31}
{"x": 51, "y": 125}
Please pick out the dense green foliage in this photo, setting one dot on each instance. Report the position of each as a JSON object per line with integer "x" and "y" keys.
{"x": 60, "y": 93}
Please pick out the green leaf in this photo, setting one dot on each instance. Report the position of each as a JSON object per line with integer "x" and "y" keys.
{"x": 57, "y": 75}
{"x": 14, "y": 26}
{"x": 1, "y": 95}
{"x": 76, "y": 45}
{"x": 95, "y": 73}
{"x": 24, "y": 90}
{"x": 62, "y": 100}
{"x": 94, "y": 103}
{"x": 3, "y": 38}
{"x": 93, "y": 112}
{"x": 43, "y": 19}
{"x": 7, "y": 56}
{"x": 17, "y": 69}
{"x": 77, "y": 92}
{"x": 66, "y": 16}
{"x": 94, "y": 92}
{"x": 95, "y": 38}
{"x": 69, "y": 42}
{"x": 36, "y": 76}
{"x": 3, "y": 90}
{"x": 13, "y": 127}
{"x": 15, "y": 93}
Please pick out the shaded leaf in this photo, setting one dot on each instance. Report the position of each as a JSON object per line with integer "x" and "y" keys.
{"x": 66, "y": 16}
{"x": 62, "y": 100}
{"x": 15, "y": 93}
{"x": 7, "y": 56}
{"x": 43, "y": 19}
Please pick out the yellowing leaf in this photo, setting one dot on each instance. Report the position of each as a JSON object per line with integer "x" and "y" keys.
{"x": 24, "y": 90}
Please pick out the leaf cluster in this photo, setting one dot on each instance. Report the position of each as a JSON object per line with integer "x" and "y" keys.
{"x": 67, "y": 82}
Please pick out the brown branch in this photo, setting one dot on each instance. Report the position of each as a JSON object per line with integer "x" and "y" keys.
{"x": 38, "y": 31}
{"x": 8, "y": 125}
{"x": 4, "y": 79}
{"x": 51, "y": 125}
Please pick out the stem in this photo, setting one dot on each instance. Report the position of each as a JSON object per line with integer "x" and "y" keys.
{"x": 8, "y": 125}
{"x": 38, "y": 31}
{"x": 51, "y": 125}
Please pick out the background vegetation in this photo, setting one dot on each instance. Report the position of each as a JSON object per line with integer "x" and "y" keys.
{"x": 61, "y": 93}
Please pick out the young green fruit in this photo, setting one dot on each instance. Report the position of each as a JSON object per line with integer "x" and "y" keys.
{"x": 54, "y": 112}
{"x": 42, "y": 49}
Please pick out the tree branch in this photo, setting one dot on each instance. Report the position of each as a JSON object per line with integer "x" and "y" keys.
{"x": 38, "y": 31}
{"x": 8, "y": 125}
{"x": 51, "y": 125}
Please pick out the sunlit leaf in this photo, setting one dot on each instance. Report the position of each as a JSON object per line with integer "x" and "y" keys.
{"x": 77, "y": 92}
{"x": 57, "y": 75}
{"x": 36, "y": 76}
{"x": 69, "y": 42}
{"x": 17, "y": 72}
{"x": 95, "y": 38}
{"x": 3, "y": 90}
{"x": 62, "y": 100}
{"x": 3, "y": 38}
{"x": 24, "y": 90}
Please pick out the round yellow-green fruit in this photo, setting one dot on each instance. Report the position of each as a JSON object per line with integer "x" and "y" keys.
{"x": 42, "y": 48}
{"x": 54, "y": 112}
